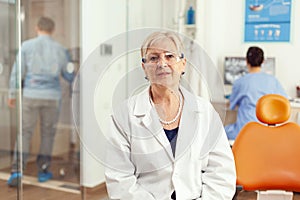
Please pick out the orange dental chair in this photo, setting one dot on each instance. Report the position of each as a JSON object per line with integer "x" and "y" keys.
{"x": 267, "y": 157}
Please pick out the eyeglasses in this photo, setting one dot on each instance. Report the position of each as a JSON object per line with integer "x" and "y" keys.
{"x": 169, "y": 58}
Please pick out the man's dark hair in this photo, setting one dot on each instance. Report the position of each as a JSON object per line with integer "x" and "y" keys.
{"x": 255, "y": 56}
{"x": 46, "y": 24}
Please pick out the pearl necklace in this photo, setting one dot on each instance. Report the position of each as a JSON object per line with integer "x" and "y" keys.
{"x": 177, "y": 115}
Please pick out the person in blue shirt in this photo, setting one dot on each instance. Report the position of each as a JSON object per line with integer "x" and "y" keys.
{"x": 248, "y": 89}
{"x": 42, "y": 62}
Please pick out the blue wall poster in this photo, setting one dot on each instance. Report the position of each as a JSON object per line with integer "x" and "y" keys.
{"x": 267, "y": 20}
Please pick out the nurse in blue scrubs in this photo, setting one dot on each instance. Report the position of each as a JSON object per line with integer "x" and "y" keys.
{"x": 248, "y": 89}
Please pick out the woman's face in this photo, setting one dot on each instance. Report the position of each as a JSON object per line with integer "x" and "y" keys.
{"x": 163, "y": 65}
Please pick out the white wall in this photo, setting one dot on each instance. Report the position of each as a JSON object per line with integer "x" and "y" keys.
{"x": 101, "y": 19}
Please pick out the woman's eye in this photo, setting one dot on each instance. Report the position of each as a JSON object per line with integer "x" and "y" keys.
{"x": 170, "y": 56}
{"x": 153, "y": 58}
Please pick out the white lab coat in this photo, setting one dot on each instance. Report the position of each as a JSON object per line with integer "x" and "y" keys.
{"x": 139, "y": 160}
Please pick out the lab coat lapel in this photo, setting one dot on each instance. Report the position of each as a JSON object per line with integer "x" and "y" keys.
{"x": 189, "y": 124}
{"x": 150, "y": 120}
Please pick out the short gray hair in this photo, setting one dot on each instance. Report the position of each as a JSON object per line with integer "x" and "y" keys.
{"x": 159, "y": 35}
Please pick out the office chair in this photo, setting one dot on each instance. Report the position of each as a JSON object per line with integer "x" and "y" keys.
{"x": 267, "y": 157}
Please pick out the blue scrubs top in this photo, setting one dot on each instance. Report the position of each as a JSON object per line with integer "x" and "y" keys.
{"x": 245, "y": 93}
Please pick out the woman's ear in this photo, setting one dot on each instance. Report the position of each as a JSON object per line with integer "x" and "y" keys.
{"x": 183, "y": 64}
{"x": 143, "y": 66}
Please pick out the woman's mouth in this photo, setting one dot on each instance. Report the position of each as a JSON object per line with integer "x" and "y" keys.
{"x": 163, "y": 74}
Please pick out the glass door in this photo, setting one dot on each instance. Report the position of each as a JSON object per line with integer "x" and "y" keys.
{"x": 39, "y": 146}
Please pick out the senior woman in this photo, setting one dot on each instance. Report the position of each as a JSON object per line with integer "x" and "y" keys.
{"x": 166, "y": 143}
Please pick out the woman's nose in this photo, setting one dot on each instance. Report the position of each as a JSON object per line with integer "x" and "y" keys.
{"x": 162, "y": 62}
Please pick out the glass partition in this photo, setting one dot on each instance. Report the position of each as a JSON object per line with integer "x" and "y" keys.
{"x": 39, "y": 146}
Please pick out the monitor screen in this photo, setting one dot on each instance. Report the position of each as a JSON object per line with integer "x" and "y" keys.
{"x": 236, "y": 67}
